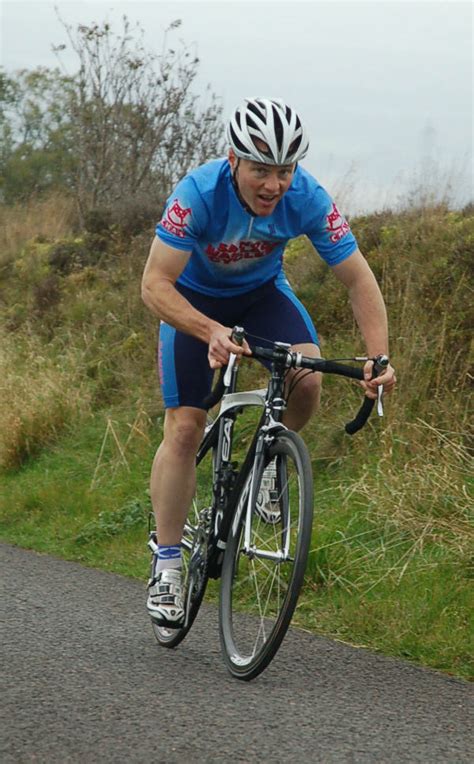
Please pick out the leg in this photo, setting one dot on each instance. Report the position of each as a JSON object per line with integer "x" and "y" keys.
{"x": 172, "y": 488}
{"x": 277, "y": 314}
{"x": 175, "y": 594}
{"x": 185, "y": 378}
{"x": 174, "y": 471}
{"x": 304, "y": 400}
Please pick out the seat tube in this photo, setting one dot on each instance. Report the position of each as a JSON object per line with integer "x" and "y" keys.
{"x": 224, "y": 447}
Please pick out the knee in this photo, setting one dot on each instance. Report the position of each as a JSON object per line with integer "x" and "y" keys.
{"x": 183, "y": 432}
{"x": 307, "y": 393}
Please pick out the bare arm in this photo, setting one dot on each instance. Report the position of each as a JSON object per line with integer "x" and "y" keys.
{"x": 369, "y": 311}
{"x": 160, "y": 295}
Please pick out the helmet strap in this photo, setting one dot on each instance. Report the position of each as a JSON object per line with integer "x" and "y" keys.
{"x": 235, "y": 182}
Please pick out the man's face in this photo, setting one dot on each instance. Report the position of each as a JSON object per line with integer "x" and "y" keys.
{"x": 261, "y": 185}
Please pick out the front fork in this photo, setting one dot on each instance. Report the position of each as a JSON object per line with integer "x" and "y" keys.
{"x": 267, "y": 434}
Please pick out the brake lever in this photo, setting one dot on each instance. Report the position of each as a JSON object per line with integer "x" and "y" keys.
{"x": 380, "y": 364}
{"x": 237, "y": 336}
{"x": 379, "y": 400}
{"x": 229, "y": 370}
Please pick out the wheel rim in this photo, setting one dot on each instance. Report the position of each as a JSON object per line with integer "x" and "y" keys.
{"x": 263, "y": 586}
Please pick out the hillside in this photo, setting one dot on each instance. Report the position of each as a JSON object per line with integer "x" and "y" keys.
{"x": 81, "y": 416}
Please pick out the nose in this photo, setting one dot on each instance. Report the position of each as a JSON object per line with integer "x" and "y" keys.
{"x": 272, "y": 183}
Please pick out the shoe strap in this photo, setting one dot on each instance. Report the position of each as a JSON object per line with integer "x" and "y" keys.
{"x": 165, "y": 591}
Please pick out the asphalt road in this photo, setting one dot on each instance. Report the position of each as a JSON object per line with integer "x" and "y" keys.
{"x": 83, "y": 680}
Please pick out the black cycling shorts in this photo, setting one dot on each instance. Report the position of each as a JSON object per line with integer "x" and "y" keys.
{"x": 270, "y": 311}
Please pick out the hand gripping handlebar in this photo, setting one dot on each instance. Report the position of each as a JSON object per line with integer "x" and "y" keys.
{"x": 281, "y": 354}
{"x": 380, "y": 364}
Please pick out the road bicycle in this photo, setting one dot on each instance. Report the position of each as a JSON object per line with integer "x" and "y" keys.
{"x": 259, "y": 556}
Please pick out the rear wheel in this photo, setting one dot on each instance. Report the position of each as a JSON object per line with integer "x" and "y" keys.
{"x": 262, "y": 575}
{"x": 194, "y": 549}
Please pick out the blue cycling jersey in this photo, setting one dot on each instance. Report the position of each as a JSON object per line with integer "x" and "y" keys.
{"x": 232, "y": 251}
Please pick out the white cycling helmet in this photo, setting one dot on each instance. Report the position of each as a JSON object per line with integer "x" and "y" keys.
{"x": 274, "y": 123}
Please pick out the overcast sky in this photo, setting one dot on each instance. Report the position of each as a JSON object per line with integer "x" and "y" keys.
{"x": 384, "y": 87}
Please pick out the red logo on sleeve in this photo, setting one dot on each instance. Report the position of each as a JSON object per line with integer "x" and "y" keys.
{"x": 337, "y": 225}
{"x": 175, "y": 219}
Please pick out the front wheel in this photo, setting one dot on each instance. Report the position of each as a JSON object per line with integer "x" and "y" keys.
{"x": 266, "y": 556}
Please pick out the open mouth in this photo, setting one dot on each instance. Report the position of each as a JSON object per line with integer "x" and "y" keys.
{"x": 267, "y": 200}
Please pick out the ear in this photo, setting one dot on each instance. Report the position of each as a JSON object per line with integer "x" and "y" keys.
{"x": 232, "y": 159}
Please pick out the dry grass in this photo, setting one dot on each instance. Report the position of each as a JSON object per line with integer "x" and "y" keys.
{"x": 39, "y": 397}
{"x": 389, "y": 562}
{"x": 426, "y": 492}
{"x": 49, "y": 218}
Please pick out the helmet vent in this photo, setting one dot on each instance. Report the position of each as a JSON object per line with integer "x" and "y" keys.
{"x": 272, "y": 123}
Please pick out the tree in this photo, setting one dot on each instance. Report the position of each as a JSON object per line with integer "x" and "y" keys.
{"x": 118, "y": 133}
{"x": 36, "y": 147}
{"x": 136, "y": 124}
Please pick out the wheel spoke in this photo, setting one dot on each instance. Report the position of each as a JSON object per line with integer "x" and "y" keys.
{"x": 267, "y": 587}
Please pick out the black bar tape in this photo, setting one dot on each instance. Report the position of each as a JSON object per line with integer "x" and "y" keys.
{"x": 366, "y": 409}
{"x": 217, "y": 391}
{"x": 361, "y": 417}
{"x": 332, "y": 367}
{"x": 267, "y": 354}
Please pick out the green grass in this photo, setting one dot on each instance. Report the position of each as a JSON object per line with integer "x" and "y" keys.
{"x": 392, "y": 549}
{"x": 81, "y": 501}
{"x": 368, "y": 581}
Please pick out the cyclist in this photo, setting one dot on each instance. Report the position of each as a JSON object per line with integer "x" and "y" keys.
{"x": 216, "y": 261}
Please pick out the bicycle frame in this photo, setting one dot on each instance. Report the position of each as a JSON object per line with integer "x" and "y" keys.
{"x": 227, "y": 484}
{"x": 253, "y": 528}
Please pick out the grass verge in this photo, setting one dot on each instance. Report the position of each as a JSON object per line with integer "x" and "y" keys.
{"x": 390, "y": 566}
{"x": 372, "y": 580}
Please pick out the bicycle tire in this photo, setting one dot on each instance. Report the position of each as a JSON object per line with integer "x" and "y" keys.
{"x": 246, "y": 581}
{"x": 196, "y": 535}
